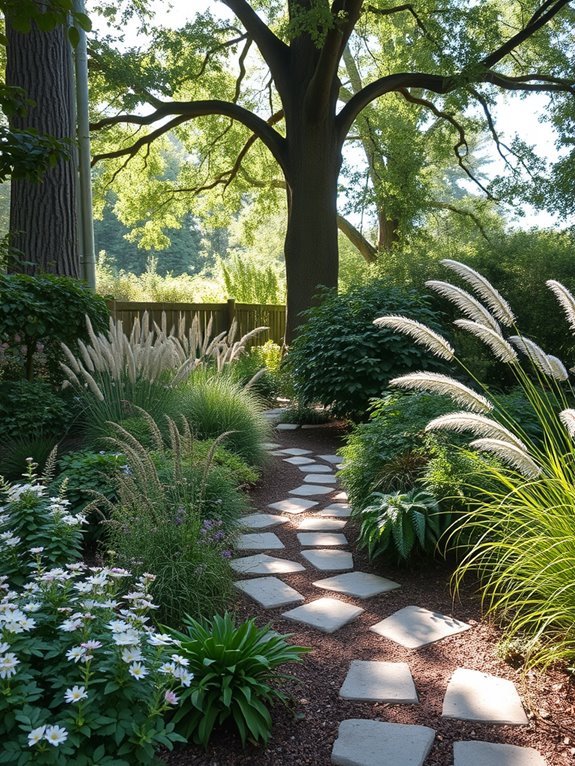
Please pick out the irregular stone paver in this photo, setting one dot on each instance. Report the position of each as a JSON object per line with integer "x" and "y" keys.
{"x": 336, "y": 459}
{"x": 259, "y": 541}
{"x": 297, "y": 451}
{"x": 306, "y": 490}
{"x": 321, "y": 538}
{"x": 379, "y": 682}
{"x": 270, "y": 592}
{"x": 262, "y": 520}
{"x": 261, "y": 563}
{"x": 271, "y": 445}
{"x": 358, "y": 584}
{"x": 340, "y": 510}
{"x": 329, "y": 560}
{"x": 278, "y": 452}
{"x": 293, "y": 505}
{"x": 316, "y": 468}
{"x": 475, "y": 696}
{"x": 322, "y": 478}
{"x": 414, "y": 626}
{"x": 341, "y": 497}
{"x": 325, "y": 614}
{"x": 298, "y": 460}
{"x": 313, "y": 524}
{"x": 374, "y": 743}
{"x": 487, "y": 754}
{"x": 287, "y": 426}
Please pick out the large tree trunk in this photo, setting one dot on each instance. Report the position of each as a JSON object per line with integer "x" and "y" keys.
{"x": 43, "y": 215}
{"x": 311, "y": 248}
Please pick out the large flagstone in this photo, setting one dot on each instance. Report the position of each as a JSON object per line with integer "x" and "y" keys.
{"x": 325, "y": 614}
{"x": 377, "y": 743}
{"x": 414, "y": 626}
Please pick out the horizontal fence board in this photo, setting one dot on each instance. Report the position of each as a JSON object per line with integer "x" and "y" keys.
{"x": 248, "y": 317}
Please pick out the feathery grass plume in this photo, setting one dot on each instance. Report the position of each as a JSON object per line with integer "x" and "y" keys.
{"x": 554, "y": 369}
{"x": 567, "y": 417}
{"x": 498, "y": 345}
{"x": 484, "y": 289}
{"x": 443, "y": 384}
{"x": 479, "y": 425}
{"x": 509, "y": 453}
{"x": 465, "y": 303}
{"x": 566, "y": 300}
{"x": 420, "y": 333}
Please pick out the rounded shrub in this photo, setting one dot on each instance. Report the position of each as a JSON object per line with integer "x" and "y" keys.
{"x": 342, "y": 360}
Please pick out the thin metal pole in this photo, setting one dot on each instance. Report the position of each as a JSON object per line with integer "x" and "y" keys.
{"x": 84, "y": 156}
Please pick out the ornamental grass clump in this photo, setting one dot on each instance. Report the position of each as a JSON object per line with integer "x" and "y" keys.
{"x": 84, "y": 678}
{"x": 518, "y": 533}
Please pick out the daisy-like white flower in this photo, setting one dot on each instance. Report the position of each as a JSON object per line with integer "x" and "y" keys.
{"x": 55, "y": 735}
{"x": 179, "y": 660}
{"x": 132, "y": 655}
{"x": 168, "y": 667}
{"x": 8, "y": 664}
{"x": 32, "y": 606}
{"x": 90, "y": 645}
{"x": 147, "y": 577}
{"x": 160, "y": 639}
{"x": 69, "y": 626}
{"x": 184, "y": 676}
{"x": 75, "y": 694}
{"x": 128, "y": 638}
{"x": 137, "y": 670}
{"x": 118, "y": 626}
{"x": 75, "y": 653}
{"x": 26, "y": 624}
{"x": 4, "y": 647}
{"x": 36, "y": 735}
{"x": 36, "y": 551}
{"x": 171, "y": 697}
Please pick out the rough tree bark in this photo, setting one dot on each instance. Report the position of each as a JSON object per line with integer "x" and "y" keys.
{"x": 43, "y": 215}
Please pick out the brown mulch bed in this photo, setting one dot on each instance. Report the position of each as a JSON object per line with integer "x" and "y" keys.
{"x": 304, "y": 733}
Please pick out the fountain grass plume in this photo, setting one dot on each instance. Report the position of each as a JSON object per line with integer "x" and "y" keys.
{"x": 498, "y": 305}
{"x": 465, "y": 302}
{"x": 511, "y": 454}
{"x": 550, "y": 366}
{"x": 479, "y": 425}
{"x": 498, "y": 345}
{"x": 565, "y": 298}
{"x": 420, "y": 333}
{"x": 443, "y": 384}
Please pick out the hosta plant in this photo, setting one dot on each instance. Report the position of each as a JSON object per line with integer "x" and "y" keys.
{"x": 400, "y": 524}
{"x": 84, "y": 678}
{"x": 519, "y": 537}
{"x": 236, "y": 677}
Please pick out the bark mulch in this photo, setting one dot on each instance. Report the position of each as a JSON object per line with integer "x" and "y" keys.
{"x": 304, "y": 732}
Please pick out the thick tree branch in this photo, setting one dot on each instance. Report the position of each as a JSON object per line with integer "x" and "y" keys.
{"x": 187, "y": 110}
{"x": 460, "y": 211}
{"x": 357, "y": 239}
{"x": 242, "y": 65}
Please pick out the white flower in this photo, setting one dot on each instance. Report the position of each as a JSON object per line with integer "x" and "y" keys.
{"x": 4, "y": 647}
{"x": 75, "y": 653}
{"x": 32, "y": 606}
{"x": 171, "y": 697}
{"x": 160, "y": 639}
{"x": 36, "y": 550}
{"x": 137, "y": 670}
{"x": 10, "y": 540}
{"x": 129, "y": 638}
{"x": 90, "y": 645}
{"x": 8, "y": 664}
{"x": 179, "y": 660}
{"x": 36, "y": 735}
{"x": 118, "y": 626}
{"x": 55, "y": 735}
{"x": 183, "y": 676}
{"x": 168, "y": 667}
{"x": 69, "y": 626}
{"x": 118, "y": 572}
{"x": 484, "y": 289}
{"x": 132, "y": 655}
{"x": 75, "y": 694}
{"x": 442, "y": 384}
{"x": 420, "y": 333}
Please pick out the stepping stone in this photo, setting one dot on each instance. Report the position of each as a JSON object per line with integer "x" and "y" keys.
{"x": 310, "y": 489}
{"x": 271, "y": 445}
{"x": 259, "y": 541}
{"x": 335, "y": 459}
{"x": 293, "y": 505}
{"x": 414, "y": 626}
{"x": 373, "y": 743}
{"x": 313, "y": 524}
{"x": 274, "y": 411}
{"x": 287, "y": 426}
{"x": 297, "y": 451}
{"x": 320, "y": 478}
{"x": 262, "y": 520}
{"x": 475, "y": 696}
{"x": 487, "y": 754}
{"x": 321, "y": 538}
{"x": 329, "y": 560}
{"x": 261, "y": 563}
{"x": 325, "y": 614}
{"x": 341, "y": 497}
{"x": 316, "y": 468}
{"x": 278, "y": 452}
{"x": 269, "y": 592}
{"x": 340, "y": 510}
{"x": 358, "y": 584}
{"x": 298, "y": 460}
{"x": 378, "y": 682}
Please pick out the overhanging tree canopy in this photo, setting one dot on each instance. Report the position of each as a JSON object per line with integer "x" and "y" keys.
{"x": 472, "y": 49}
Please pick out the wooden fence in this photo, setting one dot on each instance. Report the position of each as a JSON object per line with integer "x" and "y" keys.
{"x": 248, "y": 316}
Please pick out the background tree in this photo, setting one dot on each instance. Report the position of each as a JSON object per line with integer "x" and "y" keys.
{"x": 473, "y": 49}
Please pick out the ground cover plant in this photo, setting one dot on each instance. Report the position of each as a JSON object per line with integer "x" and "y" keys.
{"x": 519, "y": 536}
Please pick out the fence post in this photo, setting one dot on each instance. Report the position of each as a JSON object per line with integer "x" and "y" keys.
{"x": 231, "y": 312}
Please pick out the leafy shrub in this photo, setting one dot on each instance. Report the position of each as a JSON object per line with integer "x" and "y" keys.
{"x": 341, "y": 360}
{"x": 216, "y": 404}
{"x": 16, "y": 453}
{"x": 236, "y": 677}
{"x": 265, "y": 362}
{"x": 31, "y": 407}
{"x": 55, "y": 310}
{"x": 401, "y": 525}
{"x": 81, "y": 683}
{"x": 33, "y": 521}
{"x": 389, "y": 451}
